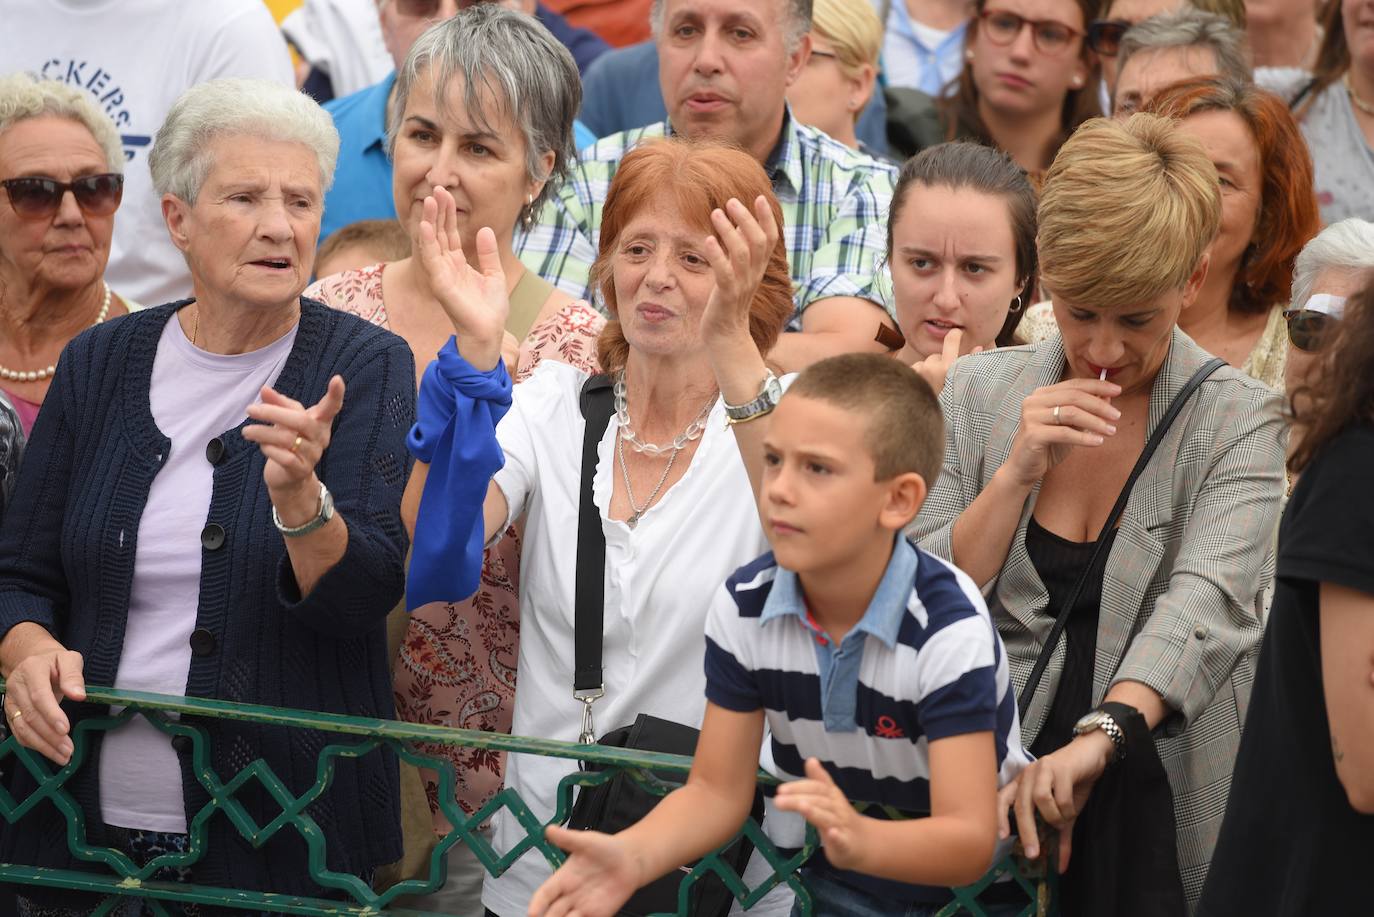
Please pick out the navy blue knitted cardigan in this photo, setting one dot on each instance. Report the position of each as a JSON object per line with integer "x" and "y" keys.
{"x": 67, "y": 557}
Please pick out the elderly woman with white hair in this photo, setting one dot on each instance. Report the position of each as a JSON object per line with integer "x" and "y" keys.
{"x": 61, "y": 175}
{"x": 209, "y": 506}
{"x": 1336, "y": 264}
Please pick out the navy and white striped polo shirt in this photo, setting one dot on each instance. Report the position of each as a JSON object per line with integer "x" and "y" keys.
{"x": 924, "y": 663}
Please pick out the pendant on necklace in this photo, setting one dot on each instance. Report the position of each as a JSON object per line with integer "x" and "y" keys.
{"x": 633, "y": 521}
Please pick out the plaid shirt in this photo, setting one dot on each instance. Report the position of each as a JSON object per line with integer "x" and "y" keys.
{"x": 834, "y": 207}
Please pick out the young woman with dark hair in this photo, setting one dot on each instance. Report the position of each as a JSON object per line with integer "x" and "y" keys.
{"x": 1029, "y": 80}
{"x": 961, "y": 248}
{"x": 1306, "y": 848}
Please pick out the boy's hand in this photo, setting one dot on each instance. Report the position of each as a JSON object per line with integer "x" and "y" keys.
{"x": 821, "y": 803}
{"x": 597, "y": 878}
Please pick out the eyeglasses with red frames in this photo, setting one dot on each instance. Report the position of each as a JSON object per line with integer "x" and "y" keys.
{"x": 37, "y": 198}
{"x": 1051, "y": 37}
{"x": 1104, "y": 35}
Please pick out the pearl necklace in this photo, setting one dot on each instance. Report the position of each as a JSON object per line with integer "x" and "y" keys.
{"x": 1360, "y": 103}
{"x": 38, "y": 375}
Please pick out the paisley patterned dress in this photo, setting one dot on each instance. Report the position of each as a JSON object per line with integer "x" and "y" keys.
{"x": 457, "y": 663}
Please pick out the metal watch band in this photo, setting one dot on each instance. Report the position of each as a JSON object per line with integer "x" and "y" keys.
{"x": 765, "y": 402}
{"x": 322, "y": 516}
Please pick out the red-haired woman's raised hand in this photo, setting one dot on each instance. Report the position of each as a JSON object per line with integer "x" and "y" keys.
{"x": 738, "y": 254}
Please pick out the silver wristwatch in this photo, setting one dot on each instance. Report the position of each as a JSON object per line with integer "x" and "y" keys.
{"x": 768, "y": 399}
{"x": 1101, "y": 719}
{"x": 325, "y": 513}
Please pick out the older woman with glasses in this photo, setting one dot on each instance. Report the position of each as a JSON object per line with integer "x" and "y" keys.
{"x": 1028, "y": 82}
{"x": 1334, "y": 266}
{"x": 210, "y": 506}
{"x": 61, "y": 170}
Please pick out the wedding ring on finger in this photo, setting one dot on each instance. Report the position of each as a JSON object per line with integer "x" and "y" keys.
{"x": 1057, "y": 421}
{"x": 300, "y": 439}
{"x": 15, "y": 715}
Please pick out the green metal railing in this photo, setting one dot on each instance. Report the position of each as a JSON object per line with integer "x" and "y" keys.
{"x": 123, "y": 878}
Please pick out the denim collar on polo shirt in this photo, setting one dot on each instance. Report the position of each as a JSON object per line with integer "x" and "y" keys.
{"x": 838, "y": 667}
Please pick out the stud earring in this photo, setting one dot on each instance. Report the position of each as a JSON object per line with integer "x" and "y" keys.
{"x": 968, "y": 55}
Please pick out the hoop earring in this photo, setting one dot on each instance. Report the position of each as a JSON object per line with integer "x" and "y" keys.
{"x": 1017, "y": 307}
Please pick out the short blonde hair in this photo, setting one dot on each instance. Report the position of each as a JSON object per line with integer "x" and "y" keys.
{"x": 1126, "y": 212}
{"x": 853, "y": 29}
{"x": 23, "y": 96}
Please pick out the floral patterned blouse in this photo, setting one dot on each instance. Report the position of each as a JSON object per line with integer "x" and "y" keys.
{"x": 457, "y": 663}
{"x": 1266, "y": 361}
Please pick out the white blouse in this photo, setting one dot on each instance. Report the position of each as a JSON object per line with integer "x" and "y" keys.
{"x": 660, "y": 578}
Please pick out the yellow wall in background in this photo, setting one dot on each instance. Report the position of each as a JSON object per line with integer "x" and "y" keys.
{"x": 280, "y": 8}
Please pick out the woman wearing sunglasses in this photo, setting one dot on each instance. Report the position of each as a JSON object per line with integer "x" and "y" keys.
{"x": 1028, "y": 82}
{"x": 1105, "y": 34}
{"x": 1334, "y": 266}
{"x": 61, "y": 179}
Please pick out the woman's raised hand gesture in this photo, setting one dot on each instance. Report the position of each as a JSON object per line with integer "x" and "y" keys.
{"x": 475, "y": 299}
{"x": 738, "y": 254}
{"x": 1055, "y": 419}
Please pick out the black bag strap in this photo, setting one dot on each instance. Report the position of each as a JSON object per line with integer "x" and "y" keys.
{"x": 1175, "y": 406}
{"x": 589, "y": 590}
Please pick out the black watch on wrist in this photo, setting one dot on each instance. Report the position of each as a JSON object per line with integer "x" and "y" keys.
{"x": 1110, "y": 717}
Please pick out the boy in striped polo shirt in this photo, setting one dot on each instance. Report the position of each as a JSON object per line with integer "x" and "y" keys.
{"x": 875, "y": 665}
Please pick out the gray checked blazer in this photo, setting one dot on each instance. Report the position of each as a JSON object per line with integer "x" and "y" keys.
{"x": 1182, "y": 595}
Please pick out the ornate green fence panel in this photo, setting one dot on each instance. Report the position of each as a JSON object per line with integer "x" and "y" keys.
{"x": 118, "y": 878}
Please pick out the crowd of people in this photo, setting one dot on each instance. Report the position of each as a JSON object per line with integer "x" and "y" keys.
{"x": 959, "y": 408}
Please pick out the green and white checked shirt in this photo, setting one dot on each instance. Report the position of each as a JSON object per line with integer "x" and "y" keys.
{"x": 834, "y": 202}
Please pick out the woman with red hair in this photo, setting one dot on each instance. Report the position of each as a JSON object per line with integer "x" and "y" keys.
{"x": 1268, "y": 212}
{"x": 694, "y": 274}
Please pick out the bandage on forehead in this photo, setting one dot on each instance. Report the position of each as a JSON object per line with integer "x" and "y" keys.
{"x": 1327, "y": 304}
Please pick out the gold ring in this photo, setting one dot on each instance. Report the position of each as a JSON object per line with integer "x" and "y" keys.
{"x": 1056, "y": 414}
{"x": 300, "y": 439}
{"x": 16, "y": 715}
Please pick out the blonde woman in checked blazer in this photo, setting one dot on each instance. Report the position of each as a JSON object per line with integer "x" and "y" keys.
{"x": 1040, "y": 441}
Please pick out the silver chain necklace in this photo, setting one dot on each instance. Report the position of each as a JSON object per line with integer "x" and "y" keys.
{"x": 627, "y": 432}
{"x": 639, "y": 511}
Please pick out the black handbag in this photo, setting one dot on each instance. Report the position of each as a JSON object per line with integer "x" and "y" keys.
{"x": 620, "y": 801}
{"x": 1125, "y": 857}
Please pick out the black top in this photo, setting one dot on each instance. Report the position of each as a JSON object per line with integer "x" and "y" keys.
{"x": 1291, "y": 844}
{"x": 1060, "y": 563}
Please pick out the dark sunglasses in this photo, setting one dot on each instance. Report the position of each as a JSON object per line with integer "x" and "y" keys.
{"x": 1104, "y": 36}
{"x": 39, "y": 198}
{"x": 1307, "y": 330}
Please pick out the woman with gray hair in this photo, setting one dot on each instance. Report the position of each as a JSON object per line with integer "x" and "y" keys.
{"x": 61, "y": 171}
{"x": 1334, "y": 266}
{"x": 483, "y": 119}
{"x": 484, "y": 109}
{"x": 203, "y": 512}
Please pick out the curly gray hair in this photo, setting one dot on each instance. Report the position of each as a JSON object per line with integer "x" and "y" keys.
{"x": 24, "y": 96}
{"x": 180, "y": 160}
